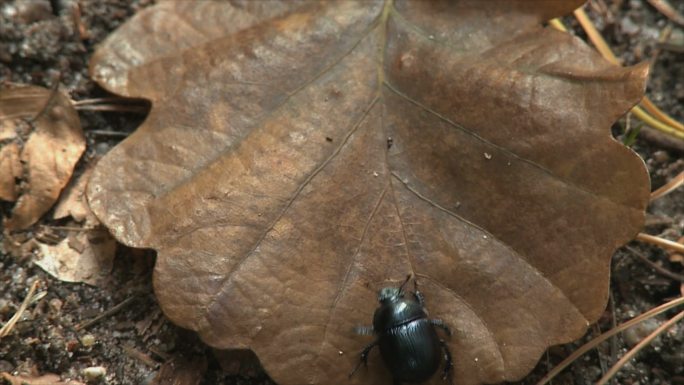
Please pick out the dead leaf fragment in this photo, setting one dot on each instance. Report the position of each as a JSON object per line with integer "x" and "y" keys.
{"x": 11, "y": 171}
{"x": 73, "y": 201}
{"x": 266, "y": 179}
{"x": 49, "y": 151}
{"x": 46, "y": 379}
{"x": 86, "y": 256}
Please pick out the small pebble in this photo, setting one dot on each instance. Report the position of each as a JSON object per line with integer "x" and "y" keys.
{"x": 4, "y": 306}
{"x": 635, "y": 334}
{"x": 32, "y": 11}
{"x": 55, "y": 304}
{"x": 94, "y": 373}
{"x": 661, "y": 156}
{"x": 88, "y": 340}
{"x": 6, "y": 366}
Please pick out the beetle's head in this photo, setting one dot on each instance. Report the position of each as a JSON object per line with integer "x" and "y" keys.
{"x": 388, "y": 294}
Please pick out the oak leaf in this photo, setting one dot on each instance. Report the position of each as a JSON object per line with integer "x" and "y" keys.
{"x": 300, "y": 156}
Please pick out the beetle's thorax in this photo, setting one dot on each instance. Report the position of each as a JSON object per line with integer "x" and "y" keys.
{"x": 395, "y": 312}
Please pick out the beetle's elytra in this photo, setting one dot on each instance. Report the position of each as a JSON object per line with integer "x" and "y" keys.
{"x": 408, "y": 341}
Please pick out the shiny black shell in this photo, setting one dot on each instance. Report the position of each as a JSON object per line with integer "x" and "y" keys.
{"x": 408, "y": 342}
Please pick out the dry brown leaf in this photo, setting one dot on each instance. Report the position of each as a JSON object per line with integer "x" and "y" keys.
{"x": 49, "y": 150}
{"x": 300, "y": 157}
{"x": 46, "y": 379}
{"x": 85, "y": 256}
{"x": 10, "y": 167}
{"x": 73, "y": 201}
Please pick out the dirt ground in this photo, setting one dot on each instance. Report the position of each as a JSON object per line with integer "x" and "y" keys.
{"x": 40, "y": 44}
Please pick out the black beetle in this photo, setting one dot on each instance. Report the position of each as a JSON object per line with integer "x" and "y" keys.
{"x": 408, "y": 340}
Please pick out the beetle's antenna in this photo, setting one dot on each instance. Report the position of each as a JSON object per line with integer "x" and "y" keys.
{"x": 401, "y": 288}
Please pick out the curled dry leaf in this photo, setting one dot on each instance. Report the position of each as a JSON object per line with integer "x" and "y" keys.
{"x": 301, "y": 155}
{"x": 40, "y": 142}
{"x": 10, "y": 166}
{"x": 86, "y": 256}
{"x": 73, "y": 201}
{"x": 46, "y": 379}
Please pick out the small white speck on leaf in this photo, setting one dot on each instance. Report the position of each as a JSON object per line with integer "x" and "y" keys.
{"x": 487, "y": 156}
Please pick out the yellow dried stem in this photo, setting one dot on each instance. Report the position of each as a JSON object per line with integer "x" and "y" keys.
{"x": 662, "y": 242}
{"x": 668, "y": 187}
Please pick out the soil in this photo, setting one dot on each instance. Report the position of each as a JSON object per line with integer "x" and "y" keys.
{"x": 41, "y": 44}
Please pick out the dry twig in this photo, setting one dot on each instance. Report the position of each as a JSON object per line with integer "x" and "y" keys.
{"x": 668, "y": 187}
{"x": 664, "y": 7}
{"x": 655, "y": 266}
{"x": 636, "y": 349}
{"x": 118, "y": 307}
{"x": 7, "y": 328}
{"x": 596, "y": 341}
{"x": 662, "y": 242}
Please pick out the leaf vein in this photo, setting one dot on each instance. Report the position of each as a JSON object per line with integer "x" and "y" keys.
{"x": 292, "y": 199}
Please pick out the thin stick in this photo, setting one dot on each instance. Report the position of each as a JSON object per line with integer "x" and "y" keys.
{"x": 84, "y": 102}
{"x": 662, "y": 242}
{"x": 111, "y": 107}
{"x": 7, "y": 328}
{"x": 67, "y": 228}
{"x": 636, "y": 349}
{"x": 108, "y": 133}
{"x": 655, "y": 266}
{"x": 668, "y": 10}
{"x": 594, "y": 342}
{"x": 595, "y": 36}
{"x": 107, "y": 313}
{"x": 655, "y": 123}
{"x": 668, "y": 187}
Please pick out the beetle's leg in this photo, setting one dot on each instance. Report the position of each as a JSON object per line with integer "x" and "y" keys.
{"x": 416, "y": 293}
{"x": 364, "y": 357}
{"x": 448, "y": 365}
{"x": 420, "y": 298}
{"x": 364, "y": 330}
{"x": 440, "y": 324}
